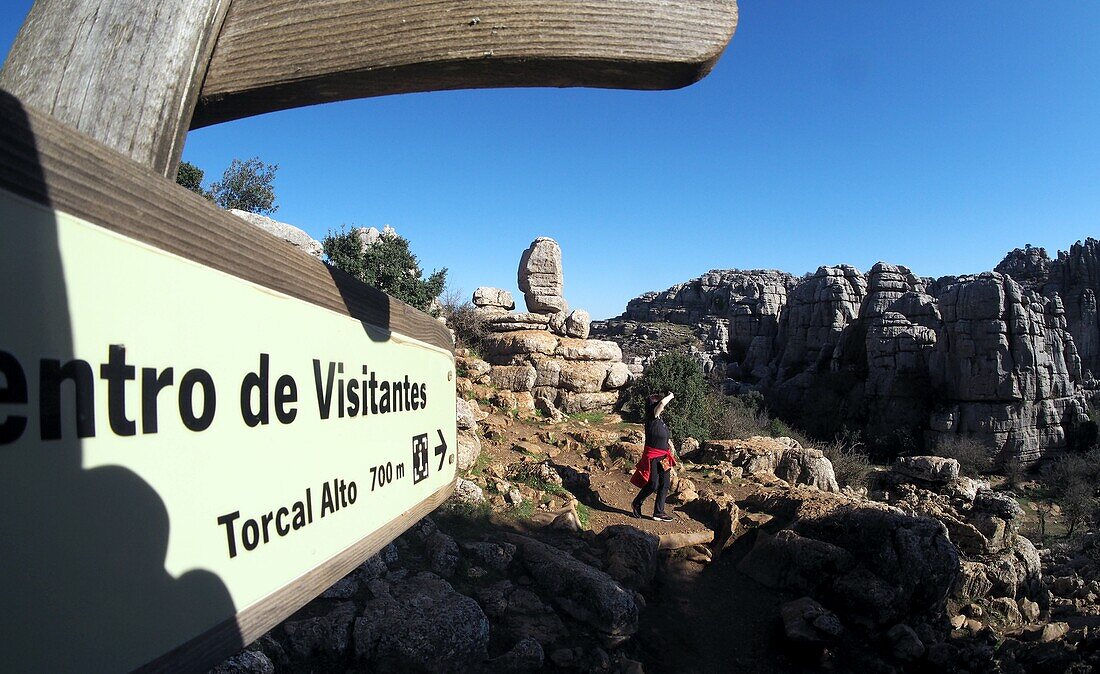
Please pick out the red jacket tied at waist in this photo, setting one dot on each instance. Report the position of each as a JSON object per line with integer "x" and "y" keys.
{"x": 640, "y": 478}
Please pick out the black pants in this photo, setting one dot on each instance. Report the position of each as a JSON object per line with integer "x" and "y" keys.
{"x": 658, "y": 482}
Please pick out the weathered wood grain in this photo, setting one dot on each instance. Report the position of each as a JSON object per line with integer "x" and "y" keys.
{"x": 211, "y": 648}
{"x": 276, "y": 54}
{"x": 125, "y": 72}
{"x": 45, "y": 161}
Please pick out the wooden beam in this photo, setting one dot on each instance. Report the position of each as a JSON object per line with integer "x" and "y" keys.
{"x": 125, "y": 72}
{"x": 46, "y": 161}
{"x": 277, "y": 54}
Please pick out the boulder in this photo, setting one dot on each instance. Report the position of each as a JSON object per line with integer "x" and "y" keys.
{"x": 586, "y": 593}
{"x": 540, "y": 277}
{"x": 575, "y": 403}
{"x": 442, "y": 554}
{"x": 491, "y": 555}
{"x": 963, "y": 488}
{"x": 913, "y": 556}
{"x": 631, "y": 555}
{"x": 808, "y": 623}
{"x": 464, "y": 416}
{"x": 325, "y": 635}
{"x": 618, "y": 375}
{"x": 546, "y": 408}
{"x": 469, "y": 448}
{"x": 788, "y": 561}
{"x": 1005, "y": 613}
{"x": 518, "y": 614}
{"x": 583, "y": 376}
{"x": 557, "y": 323}
{"x": 526, "y": 656}
{"x": 972, "y": 582}
{"x": 588, "y": 349}
{"x": 755, "y": 455}
{"x": 502, "y": 321}
{"x": 1029, "y": 610}
{"x": 494, "y": 297}
{"x": 475, "y": 369}
{"x": 808, "y": 467}
{"x": 905, "y": 645}
{"x": 467, "y": 492}
{"x": 1046, "y": 633}
{"x": 288, "y": 233}
{"x": 421, "y": 625}
{"x": 927, "y": 468}
{"x": 517, "y": 378}
{"x": 499, "y": 347}
{"x": 578, "y": 324}
{"x": 1001, "y": 504}
{"x": 246, "y": 662}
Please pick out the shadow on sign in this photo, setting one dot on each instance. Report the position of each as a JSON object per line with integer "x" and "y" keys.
{"x": 85, "y": 588}
{"x": 370, "y": 305}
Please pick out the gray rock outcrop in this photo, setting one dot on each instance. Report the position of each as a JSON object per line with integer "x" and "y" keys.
{"x": 1004, "y": 357}
{"x": 494, "y": 298}
{"x": 289, "y": 233}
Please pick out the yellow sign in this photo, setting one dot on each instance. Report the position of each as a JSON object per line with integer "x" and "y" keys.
{"x": 177, "y": 444}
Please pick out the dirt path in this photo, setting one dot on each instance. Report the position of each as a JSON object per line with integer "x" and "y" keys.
{"x": 700, "y": 618}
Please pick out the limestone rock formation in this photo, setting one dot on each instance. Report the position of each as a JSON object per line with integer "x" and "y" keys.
{"x": 289, "y": 233}
{"x": 371, "y": 235}
{"x": 545, "y": 352}
{"x": 733, "y": 310}
{"x": 784, "y": 458}
{"x": 540, "y": 277}
{"x": 1006, "y": 357}
{"x": 494, "y": 298}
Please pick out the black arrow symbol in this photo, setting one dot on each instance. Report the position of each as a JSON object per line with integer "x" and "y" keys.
{"x": 441, "y": 448}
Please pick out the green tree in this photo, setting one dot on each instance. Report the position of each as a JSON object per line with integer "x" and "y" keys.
{"x": 386, "y": 264}
{"x": 190, "y": 176}
{"x": 690, "y": 412}
{"x": 247, "y": 186}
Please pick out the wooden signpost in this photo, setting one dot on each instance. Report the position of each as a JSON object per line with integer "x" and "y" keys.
{"x": 202, "y": 428}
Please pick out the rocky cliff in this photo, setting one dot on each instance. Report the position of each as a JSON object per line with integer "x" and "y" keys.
{"x": 1005, "y": 356}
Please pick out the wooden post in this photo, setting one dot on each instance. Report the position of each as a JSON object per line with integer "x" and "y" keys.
{"x": 125, "y": 72}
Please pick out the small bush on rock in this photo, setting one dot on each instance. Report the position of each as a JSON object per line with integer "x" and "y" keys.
{"x": 464, "y": 319}
{"x": 850, "y": 462}
{"x": 974, "y": 456}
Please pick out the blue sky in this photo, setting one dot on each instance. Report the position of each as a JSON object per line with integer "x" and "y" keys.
{"x": 938, "y": 135}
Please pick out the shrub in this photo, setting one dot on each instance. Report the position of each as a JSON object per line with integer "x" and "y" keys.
{"x": 740, "y": 416}
{"x": 463, "y": 317}
{"x": 1014, "y": 473}
{"x": 1072, "y": 467}
{"x": 690, "y": 414}
{"x": 850, "y": 462}
{"x": 386, "y": 264}
{"x": 1078, "y": 503}
{"x": 190, "y": 176}
{"x": 974, "y": 456}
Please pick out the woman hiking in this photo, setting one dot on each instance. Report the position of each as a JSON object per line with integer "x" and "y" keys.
{"x": 652, "y": 471}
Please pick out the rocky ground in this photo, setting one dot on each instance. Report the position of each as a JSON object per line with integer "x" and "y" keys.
{"x": 769, "y": 566}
